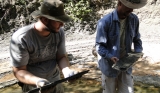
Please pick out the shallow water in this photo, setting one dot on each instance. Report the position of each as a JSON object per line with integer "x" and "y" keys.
{"x": 86, "y": 86}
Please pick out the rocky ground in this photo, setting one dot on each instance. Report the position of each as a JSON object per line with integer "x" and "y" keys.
{"x": 79, "y": 47}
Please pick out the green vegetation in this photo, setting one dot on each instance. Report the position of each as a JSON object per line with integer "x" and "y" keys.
{"x": 20, "y": 2}
{"x": 79, "y": 10}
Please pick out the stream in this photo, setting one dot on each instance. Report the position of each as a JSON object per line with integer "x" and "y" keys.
{"x": 87, "y": 86}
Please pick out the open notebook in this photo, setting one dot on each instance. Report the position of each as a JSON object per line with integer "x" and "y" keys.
{"x": 128, "y": 61}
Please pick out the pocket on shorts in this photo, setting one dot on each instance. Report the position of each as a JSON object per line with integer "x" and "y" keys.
{"x": 103, "y": 82}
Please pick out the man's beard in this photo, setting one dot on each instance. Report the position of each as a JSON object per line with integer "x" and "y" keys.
{"x": 49, "y": 29}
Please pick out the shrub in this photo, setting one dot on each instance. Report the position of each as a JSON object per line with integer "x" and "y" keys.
{"x": 79, "y": 10}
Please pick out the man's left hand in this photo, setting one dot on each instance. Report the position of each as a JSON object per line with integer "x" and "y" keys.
{"x": 67, "y": 72}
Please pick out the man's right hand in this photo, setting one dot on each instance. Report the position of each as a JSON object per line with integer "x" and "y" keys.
{"x": 41, "y": 83}
{"x": 114, "y": 59}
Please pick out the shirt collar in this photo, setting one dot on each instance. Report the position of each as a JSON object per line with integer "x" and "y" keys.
{"x": 115, "y": 15}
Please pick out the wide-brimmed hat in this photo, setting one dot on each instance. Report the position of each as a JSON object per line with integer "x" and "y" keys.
{"x": 52, "y": 9}
{"x": 134, "y": 4}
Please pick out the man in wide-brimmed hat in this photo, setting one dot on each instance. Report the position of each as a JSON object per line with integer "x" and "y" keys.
{"x": 38, "y": 50}
{"x": 115, "y": 34}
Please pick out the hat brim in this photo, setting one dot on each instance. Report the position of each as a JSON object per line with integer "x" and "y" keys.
{"x": 64, "y": 18}
{"x": 134, "y": 5}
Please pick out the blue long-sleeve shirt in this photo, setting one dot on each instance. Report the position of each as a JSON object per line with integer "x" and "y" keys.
{"x": 108, "y": 40}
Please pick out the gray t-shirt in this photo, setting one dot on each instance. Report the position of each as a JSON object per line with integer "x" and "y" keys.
{"x": 37, "y": 52}
{"x": 122, "y": 37}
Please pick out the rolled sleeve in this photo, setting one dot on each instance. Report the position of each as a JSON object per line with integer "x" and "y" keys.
{"x": 101, "y": 40}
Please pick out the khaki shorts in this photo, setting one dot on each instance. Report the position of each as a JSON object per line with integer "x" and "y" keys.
{"x": 123, "y": 83}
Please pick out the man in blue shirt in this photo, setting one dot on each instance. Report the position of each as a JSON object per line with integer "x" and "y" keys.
{"x": 115, "y": 34}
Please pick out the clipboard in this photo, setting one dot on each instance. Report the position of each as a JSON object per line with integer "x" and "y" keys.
{"x": 78, "y": 75}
